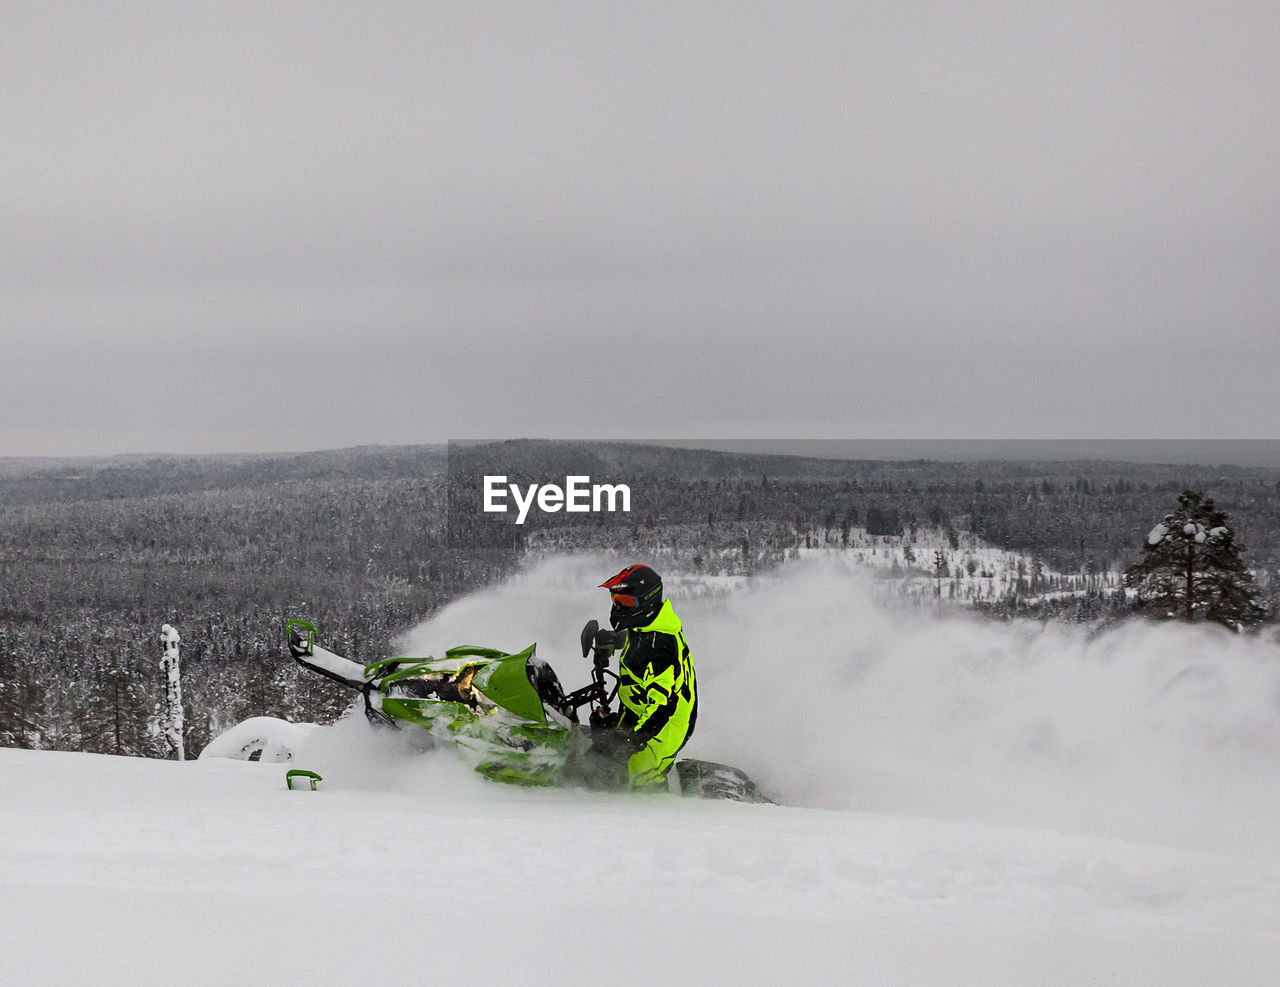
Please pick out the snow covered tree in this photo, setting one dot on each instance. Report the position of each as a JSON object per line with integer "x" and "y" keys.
{"x": 118, "y": 715}
{"x": 1191, "y": 569}
{"x": 266, "y": 687}
{"x": 170, "y": 665}
{"x": 21, "y": 702}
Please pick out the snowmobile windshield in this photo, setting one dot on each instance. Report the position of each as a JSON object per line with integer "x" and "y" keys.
{"x": 507, "y": 682}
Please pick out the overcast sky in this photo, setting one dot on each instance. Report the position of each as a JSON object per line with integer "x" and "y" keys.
{"x": 286, "y": 226}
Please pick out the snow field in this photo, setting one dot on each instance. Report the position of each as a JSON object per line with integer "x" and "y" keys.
{"x": 129, "y": 871}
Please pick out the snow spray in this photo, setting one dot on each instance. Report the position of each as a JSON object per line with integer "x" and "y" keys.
{"x": 830, "y": 699}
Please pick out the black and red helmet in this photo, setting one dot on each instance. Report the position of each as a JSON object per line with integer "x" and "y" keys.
{"x": 637, "y": 596}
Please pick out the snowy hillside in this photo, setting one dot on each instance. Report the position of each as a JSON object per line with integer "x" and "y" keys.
{"x": 966, "y": 802}
{"x": 127, "y": 871}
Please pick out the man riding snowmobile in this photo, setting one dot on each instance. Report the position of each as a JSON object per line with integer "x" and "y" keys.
{"x": 657, "y": 689}
{"x": 507, "y": 716}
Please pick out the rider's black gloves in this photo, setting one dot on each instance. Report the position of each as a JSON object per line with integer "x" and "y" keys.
{"x": 601, "y": 642}
{"x": 607, "y": 642}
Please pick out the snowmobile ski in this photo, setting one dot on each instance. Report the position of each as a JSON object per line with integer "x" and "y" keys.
{"x": 709, "y": 780}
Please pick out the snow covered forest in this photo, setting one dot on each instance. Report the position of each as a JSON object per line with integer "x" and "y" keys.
{"x": 95, "y": 555}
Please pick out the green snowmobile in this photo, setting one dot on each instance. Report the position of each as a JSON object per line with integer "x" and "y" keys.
{"x": 506, "y": 714}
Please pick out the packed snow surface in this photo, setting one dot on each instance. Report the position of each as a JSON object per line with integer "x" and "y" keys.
{"x": 966, "y": 803}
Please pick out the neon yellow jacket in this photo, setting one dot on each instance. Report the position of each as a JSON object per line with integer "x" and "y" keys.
{"x": 658, "y": 692}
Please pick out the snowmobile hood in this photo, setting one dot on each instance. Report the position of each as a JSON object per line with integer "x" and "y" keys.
{"x": 667, "y": 622}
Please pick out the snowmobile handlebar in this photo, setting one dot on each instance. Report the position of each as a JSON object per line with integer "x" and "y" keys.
{"x": 598, "y": 693}
{"x": 601, "y": 642}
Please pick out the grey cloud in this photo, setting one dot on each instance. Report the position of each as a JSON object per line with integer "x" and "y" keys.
{"x": 810, "y": 219}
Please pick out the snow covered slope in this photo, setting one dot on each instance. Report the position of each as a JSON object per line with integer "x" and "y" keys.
{"x": 123, "y": 871}
{"x": 969, "y": 803}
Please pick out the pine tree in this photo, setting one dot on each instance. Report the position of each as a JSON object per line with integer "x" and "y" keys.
{"x": 265, "y": 689}
{"x": 21, "y": 703}
{"x": 118, "y": 715}
{"x": 1191, "y": 569}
